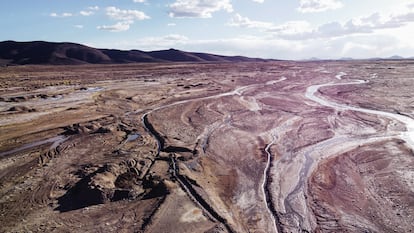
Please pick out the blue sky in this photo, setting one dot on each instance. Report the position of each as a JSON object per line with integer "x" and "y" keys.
{"x": 285, "y": 29}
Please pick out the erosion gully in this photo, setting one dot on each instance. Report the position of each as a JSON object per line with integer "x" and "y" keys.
{"x": 407, "y": 135}
{"x": 185, "y": 184}
{"x": 56, "y": 141}
{"x": 265, "y": 187}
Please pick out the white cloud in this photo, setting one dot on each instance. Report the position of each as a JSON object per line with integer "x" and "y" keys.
{"x": 124, "y": 15}
{"x": 375, "y": 35}
{"x": 86, "y": 13}
{"x": 125, "y": 18}
{"x": 258, "y": 1}
{"x": 244, "y": 45}
{"x": 288, "y": 29}
{"x": 159, "y": 43}
{"x": 118, "y": 27}
{"x": 63, "y": 15}
{"x": 198, "y": 8}
{"x": 310, "y": 6}
{"x": 369, "y": 24}
{"x": 66, "y": 14}
{"x": 79, "y": 26}
{"x": 240, "y": 21}
{"x": 363, "y": 25}
{"x": 292, "y": 28}
{"x": 252, "y": 46}
{"x": 93, "y": 8}
{"x": 356, "y": 46}
{"x": 139, "y": 1}
{"x": 351, "y": 47}
{"x": 175, "y": 37}
{"x": 171, "y": 24}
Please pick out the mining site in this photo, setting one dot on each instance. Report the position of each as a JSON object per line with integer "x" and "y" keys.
{"x": 265, "y": 147}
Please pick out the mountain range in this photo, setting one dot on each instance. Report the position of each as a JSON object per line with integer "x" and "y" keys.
{"x": 54, "y": 53}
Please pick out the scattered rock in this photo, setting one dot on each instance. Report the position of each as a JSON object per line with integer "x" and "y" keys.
{"x": 21, "y": 109}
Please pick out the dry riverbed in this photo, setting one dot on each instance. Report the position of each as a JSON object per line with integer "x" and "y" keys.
{"x": 233, "y": 147}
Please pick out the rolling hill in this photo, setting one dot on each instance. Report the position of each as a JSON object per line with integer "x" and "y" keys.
{"x": 53, "y": 53}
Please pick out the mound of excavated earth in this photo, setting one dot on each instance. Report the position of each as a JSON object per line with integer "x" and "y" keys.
{"x": 233, "y": 147}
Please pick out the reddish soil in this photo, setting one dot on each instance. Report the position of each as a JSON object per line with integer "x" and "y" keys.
{"x": 181, "y": 148}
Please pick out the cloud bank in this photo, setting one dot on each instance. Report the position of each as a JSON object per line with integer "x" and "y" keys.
{"x": 312, "y": 6}
{"x": 198, "y": 8}
{"x": 124, "y": 17}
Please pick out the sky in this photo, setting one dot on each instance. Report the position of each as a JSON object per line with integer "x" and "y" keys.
{"x": 280, "y": 29}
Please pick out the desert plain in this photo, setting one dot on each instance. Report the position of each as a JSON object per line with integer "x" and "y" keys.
{"x": 318, "y": 146}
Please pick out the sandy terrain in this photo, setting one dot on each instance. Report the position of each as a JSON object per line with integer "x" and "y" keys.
{"x": 232, "y": 147}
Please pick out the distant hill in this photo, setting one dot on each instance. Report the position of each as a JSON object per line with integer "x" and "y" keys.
{"x": 395, "y": 57}
{"x": 52, "y": 53}
{"x": 346, "y": 59}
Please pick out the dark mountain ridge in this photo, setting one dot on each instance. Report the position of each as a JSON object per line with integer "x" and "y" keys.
{"x": 64, "y": 53}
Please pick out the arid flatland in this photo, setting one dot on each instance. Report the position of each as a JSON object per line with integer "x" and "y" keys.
{"x": 207, "y": 147}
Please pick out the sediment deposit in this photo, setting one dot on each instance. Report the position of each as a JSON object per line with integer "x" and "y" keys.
{"x": 208, "y": 147}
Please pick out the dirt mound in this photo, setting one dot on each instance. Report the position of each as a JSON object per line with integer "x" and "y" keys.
{"x": 110, "y": 183}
